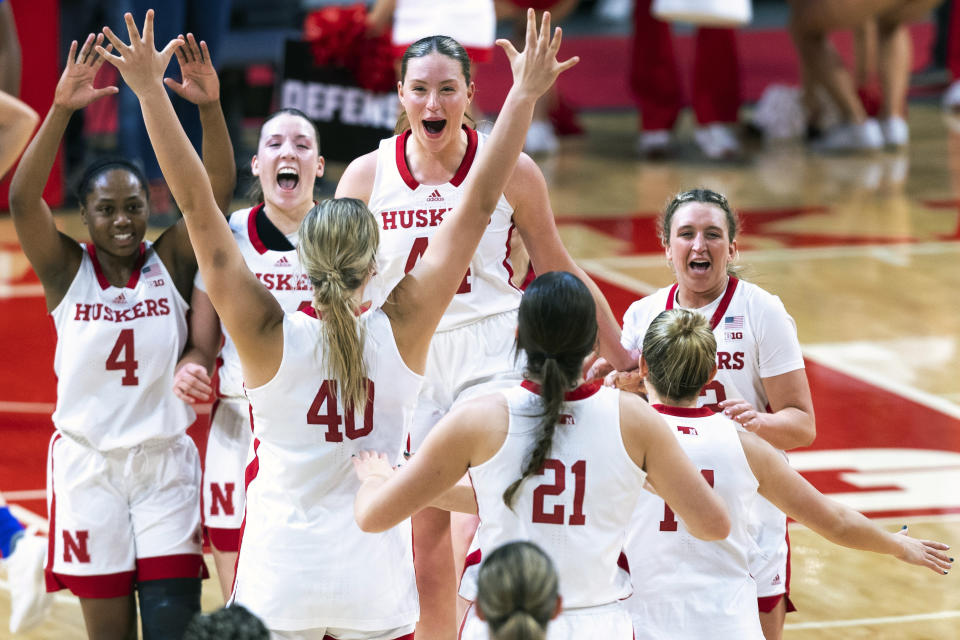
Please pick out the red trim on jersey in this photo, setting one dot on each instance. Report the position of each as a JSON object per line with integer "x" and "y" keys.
{"x": 506, "y": 258}
{"x": 583, "y": 391}
{"x": 111, "y": 585}
{"x": 463, "y": 623}
{"x": 249, "y": 476}
{"x": 721, "y": 308}
{"x": 623, "y": 563}
{"x": 252, "y": 230}
{"x": 181, "y": 565}
{"x": 462, "y": 170}
{"x": 52, "y": 583}
{"x": 224, "y": 539}
{"x": 684, "y": 412}
{"x": 473, "y": 558}
{"x": 134, "y": 276}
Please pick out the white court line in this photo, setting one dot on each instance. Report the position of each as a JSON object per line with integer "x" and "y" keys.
{"x": 35, "y": 494}
{"x": 859, "y": 622}
{"x": 897, "y": 388}
{"x": 600, "y": 268}
{"x": 21, "y": 290}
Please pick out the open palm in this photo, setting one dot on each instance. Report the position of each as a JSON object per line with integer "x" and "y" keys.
{"x": 75, "y": 88}
{"x": 200, "y": 84}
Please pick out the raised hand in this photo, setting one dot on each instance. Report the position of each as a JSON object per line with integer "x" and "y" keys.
{"x": 200, "y": 84}
{"x": 140, "y": 64}
{"x": 536, "y": 68}
{"x": 75, "y": 88}
{"x": 924, "y": 553}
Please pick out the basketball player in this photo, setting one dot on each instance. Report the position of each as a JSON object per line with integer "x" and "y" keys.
{"x": 17, "y": 121}
{"x": 412, "y": 183}
{"x": 307, "y": 376}
{"x": 689, "y": 589}
{"x": 760, "y": 381}
{"x": 286, "y": 167}
{"x": 120, "y": 454}
{"x": 584, "y": 450}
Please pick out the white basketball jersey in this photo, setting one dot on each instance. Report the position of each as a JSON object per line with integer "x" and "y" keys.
{"x": 472, "y": 23}
{"x": 304, "y": 562}
{"x": 408, "y": 214}
{"x": 756, "y": 338}
{"x": 578, "y": 509}
{"x": 684, "y": 587}
{"x": 278, "y": 271}
{"x": 116, "y": 351}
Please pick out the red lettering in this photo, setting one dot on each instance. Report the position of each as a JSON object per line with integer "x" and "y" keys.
{"x": 690, "y": 431}
{"x": 421, "y": 217}
{"x": 124, "y": 345}
{"x": 418, "y": 249}
{"x": 83, "y": 312}
{"x": 138, "y": 310}
{"x": 406, "y": 219}
{"x": 723, "y": 360}
{"x": 565, "y": 418}
{"x": 76, "y": 546}
{"x": 556, "y": 515}
{"x": 436, "y": 216}
{"x": 221, "y": 497}
{"x": 151, "y": 308}
{"x": 283, "y": 282}
{"x": 108, "y": 314}
{"x": 98, "y": 311}
{"x": 325, "y": 410}
{"x": 669, "y": 522}
{"x": 738, "y": 360}
{"x": 389, "y": 220}
{"x": 719, "y": 395}
{"x": 164, "y": 307}
{"x": 267, "y": 280}
{"x": 303, "y": 283}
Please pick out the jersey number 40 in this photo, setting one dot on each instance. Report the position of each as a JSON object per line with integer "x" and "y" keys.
{"x": 325, "y": 410}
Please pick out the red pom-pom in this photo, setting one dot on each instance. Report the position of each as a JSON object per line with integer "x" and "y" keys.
{"x": 338, "y": 37}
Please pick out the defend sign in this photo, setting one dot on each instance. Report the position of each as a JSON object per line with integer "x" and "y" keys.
{"x": 351, "y": 120}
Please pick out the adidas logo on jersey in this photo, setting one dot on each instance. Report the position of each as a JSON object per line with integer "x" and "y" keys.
{"x": 282, "y": 262}
{"x": 120, "y": 299}
{"x": 776, "y": 580}
{"x": 435, "y": 196}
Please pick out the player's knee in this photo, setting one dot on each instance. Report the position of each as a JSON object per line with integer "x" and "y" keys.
{"x": 167, "y": 606}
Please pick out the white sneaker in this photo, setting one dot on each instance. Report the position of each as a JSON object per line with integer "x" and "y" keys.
{"x": 896, "y": 133}
{"x": 849, "y": 137}
{"x": 951, "y": 97}
{"x": 654, "y": 144}
{"x": 540, "y": 138}
{"x": 29, "y": 600}
{"x": 717, "y": 141}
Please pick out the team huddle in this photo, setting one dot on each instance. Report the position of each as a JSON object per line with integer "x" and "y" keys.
{"x": 374, "y": 355}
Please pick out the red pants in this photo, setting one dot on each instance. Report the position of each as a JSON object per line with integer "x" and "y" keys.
{"x": 655, "y": 79}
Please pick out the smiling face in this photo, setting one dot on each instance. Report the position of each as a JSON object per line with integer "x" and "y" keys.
{"x": 700, "y": 249}
{"x": 288, "y": 162}
{"x": 115, "y": 211}
{"x": 435, "y": 94}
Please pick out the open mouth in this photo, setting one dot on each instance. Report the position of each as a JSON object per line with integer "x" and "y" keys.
{"x": 699, "y": 266}
{"x": 123, "y": 237}
{"x": 434, "y": 127}
{"x": 288, "y": 179}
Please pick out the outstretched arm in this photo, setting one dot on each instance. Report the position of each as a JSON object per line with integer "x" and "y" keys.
{"x": 419, "y": 300}
{"x": 17, "y": 122}
{"x": 792, "y": 494}
{"x": 54, "y": 256}
{"x": 252, "y": 316}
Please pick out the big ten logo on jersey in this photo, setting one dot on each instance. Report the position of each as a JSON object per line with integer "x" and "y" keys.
{"x": 285, "y": 281}
{"x": 327, "y": 410}
{"x": 75, "y": 548}
{"x": 554, "y": 493}
{"x": 221, "y": 497}
{"x": 99, "y": 311}
{"x": 412, "y": 218}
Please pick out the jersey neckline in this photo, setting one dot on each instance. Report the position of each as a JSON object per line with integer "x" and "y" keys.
{"x": 721, "y": 308}
{"x": 583, "y": 391}
{"x": 462, "y": 170}
{"x": 134, "y": 275}
{"x": 684, "y": 412}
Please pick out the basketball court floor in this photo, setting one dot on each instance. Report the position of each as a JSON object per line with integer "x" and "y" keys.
{"x": 864, "y": 252}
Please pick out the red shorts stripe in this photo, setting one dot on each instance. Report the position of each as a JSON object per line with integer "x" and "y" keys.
{"x": 184, "y": 565}
{"x": 224, "y": 539}
{"x": 113, "y": 585}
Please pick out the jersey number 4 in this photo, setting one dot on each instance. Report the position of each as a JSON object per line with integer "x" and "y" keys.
{"x": 123, "y": 348}
{"x": 556, "y": 515}
{"x": 418, "y": 249}
{"x": 325, "y": 410}
{"x": 669, "y": 522}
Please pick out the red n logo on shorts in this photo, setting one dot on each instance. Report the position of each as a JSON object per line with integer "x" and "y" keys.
{"x": 76, "y": 546}
{"x": 218, "y": 499}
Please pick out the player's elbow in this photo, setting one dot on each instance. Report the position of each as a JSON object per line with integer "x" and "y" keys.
{"x": 713, "y": 523}
{"x": 367, "y": 519}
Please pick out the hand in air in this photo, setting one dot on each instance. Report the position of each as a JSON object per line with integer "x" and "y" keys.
{"x": 201, "y": 84}
{"x": 536, "y": 68}
{"x": 140, "y": 64}
{"x": 75, "y": 87}
{"x": 371, "y": 464}
{"x": 743, "y": 413}
{"x": 191, "y": 383}
{"x": 924, "y": 553}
